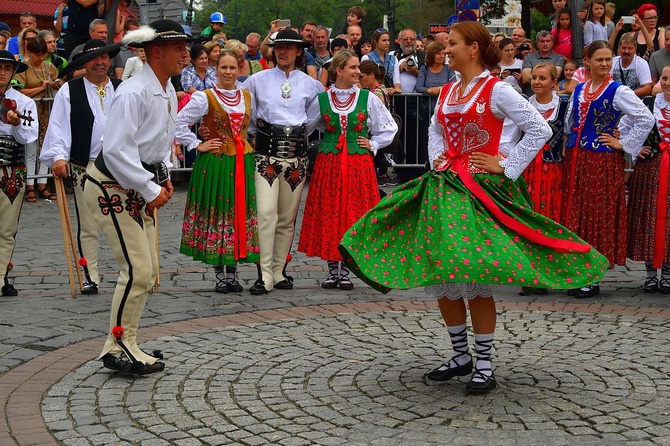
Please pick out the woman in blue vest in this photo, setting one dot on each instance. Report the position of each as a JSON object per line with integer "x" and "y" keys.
{"x": 595, "y": 198}
{"x": 381, "y": 42}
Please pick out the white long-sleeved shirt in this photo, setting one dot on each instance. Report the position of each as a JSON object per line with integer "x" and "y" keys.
{"x": 58, "y": 137}
{"x": 270, "y": 106}
{"x": 25, "y": 132}
{"x": 380, "y": 123}
{"x": 140, "y": 128}
{"x": 519, "y": 117}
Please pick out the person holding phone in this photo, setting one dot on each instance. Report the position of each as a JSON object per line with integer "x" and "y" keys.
{"x": 510, "y": 66}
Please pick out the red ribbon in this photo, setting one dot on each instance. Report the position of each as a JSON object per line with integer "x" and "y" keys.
{"x": 662, "y": 206}
{"x": 537, "y": 178}
{"x": 515, "y": 225}
{"x": 240, "y": 221}
{"x": 344, "y": 161}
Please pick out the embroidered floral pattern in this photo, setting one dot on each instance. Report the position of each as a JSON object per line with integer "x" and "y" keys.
{"x": 269, "y": 171}
{"x": 12, "y": 182}
{"x": 134, "y": 205}
{"x": 295, "y": 173}
{"x": 111, "y": 204}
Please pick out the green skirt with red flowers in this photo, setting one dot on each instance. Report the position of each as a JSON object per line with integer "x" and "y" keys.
{"x": 433, "y": 230}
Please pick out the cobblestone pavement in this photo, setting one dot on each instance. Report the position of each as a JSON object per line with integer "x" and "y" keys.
{"x": 313, "y": 366}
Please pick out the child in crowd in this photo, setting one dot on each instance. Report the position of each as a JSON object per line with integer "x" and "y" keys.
{"x": 610, "y": 9}
{"x": 355, "y": 16}
{"x": 594, "y": 29}
{"x": 562, "y": 33}
{"x": 569, "y": 69}
{"x": 553, "y": 18}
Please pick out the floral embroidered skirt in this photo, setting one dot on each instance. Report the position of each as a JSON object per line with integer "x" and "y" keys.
{"x": 545, "y": 187}
{"x": 433, "y": 230}
{"x": 596, "y": 198}
{"x": 208, "y": 231}
{"x": 642, "y": 210}
{"x": 330, "y": 209}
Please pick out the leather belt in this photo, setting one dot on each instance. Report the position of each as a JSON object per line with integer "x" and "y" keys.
{"x": 12, "y": 153}
{"x": 159, "y": 170}
{"x": 280, "y": 141}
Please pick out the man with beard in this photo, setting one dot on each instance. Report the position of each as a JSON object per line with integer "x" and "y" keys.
{"x": 130, "y": 179}
{"x": 281, "y": 99}
{"x": 15, "y": 133}
{"x": 410, "y": 59}
{"x": 73, "y": 142}
{"x": 630, "y": 69}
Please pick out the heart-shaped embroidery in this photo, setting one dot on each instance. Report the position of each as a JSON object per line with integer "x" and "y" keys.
{"x": 474, "y": 137}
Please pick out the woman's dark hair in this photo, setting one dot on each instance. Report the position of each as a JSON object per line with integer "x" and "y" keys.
{"x": 590, "y": 11}
{"x": 595, "y": 46}
{"x": 359, "y": 45}
{"x": 377, "y": 35}
{"x": 476, "y": 32}
{"x": 196, "y": 51}
{"x": 504, "y": 42}
{"x": 432, "y": 50}
{"x": 36, "y": 45}
{"x": 368, "y": 66}
{"x": 559, "y": 13}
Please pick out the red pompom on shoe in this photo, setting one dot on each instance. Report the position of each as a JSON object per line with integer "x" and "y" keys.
{"x": 118, "y": 331}
{"x": 83, "y": 262}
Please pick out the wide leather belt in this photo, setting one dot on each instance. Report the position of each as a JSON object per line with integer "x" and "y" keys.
{"x": 12, "y": 153}
{"x": 280, "y": 141}
{"x": 159, "y": 170}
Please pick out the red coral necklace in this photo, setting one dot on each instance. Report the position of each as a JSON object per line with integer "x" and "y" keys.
{"x": 230, "y": 102}
{"x": 342, "y": 105}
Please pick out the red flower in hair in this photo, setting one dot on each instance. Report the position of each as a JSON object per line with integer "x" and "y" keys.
{"x": 118, "y": 331}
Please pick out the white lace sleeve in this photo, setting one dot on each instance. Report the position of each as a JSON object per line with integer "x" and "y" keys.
{"x": 196, "y": 108}
{"x": 507, "y": 103}
{"x": 436, "y": 146}
{"x": 636, "y": 123}
{"x": 381, "y": 124}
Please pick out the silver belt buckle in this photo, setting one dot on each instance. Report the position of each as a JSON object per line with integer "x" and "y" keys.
{"x": 284, "y": 149}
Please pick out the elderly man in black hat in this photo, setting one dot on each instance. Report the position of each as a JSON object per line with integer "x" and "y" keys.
{"x": 281, "y": 99}
{"x": 18, "y": 127}
{"x": 130, "y": 179}
{"x": 74, "y": 140}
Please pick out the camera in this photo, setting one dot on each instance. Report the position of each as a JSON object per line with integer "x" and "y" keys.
{"x": 628, "y": 19}
{"x": 410, "y": 62}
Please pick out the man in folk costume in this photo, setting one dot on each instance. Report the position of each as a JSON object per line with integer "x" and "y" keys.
{"x": 283, "y": 121}
{"x": 73, "y": 141}
{"x": 17, "y": 128}
{"x": 130, "y": 179}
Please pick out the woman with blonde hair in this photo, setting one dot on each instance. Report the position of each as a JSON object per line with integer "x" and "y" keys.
{"x": 246, "y": 67}
{"x": 213, "y": 49}
{"x": 25, "y": 35}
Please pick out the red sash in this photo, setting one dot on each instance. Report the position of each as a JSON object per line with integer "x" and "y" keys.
{"x": 662, "y": 199}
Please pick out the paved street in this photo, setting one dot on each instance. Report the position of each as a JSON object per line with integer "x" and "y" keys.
{"x": 319, "y": 367}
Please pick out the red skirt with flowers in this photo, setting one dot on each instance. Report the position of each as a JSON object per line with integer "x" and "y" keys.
{"x": 594, "y": 205}
{"x": 333, "y": 207}
{"x": 545, "y": 186}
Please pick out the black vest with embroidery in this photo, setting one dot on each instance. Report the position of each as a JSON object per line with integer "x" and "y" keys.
{"x": 81, "y": 121}
{"x": 557, "y": 124}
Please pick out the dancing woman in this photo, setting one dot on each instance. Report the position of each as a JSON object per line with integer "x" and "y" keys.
{"x": 468, "y": 224}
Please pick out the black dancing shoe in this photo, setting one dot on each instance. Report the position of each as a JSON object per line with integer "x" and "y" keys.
{"x": 284, "y": 285}
{"x": 664, "y": 286}
{"x": 473, "y": 387}
{"x": 234, "y": 286}
{"x": 330, "y": 282}
{"x": 651, "y": 285}
{"x": 222, "y": 287}
{"x": 345, "y": 284}
{"x": 258, "y": 288}
{"x": 573, "y": 292}
{"x": 130, "y": 368}
{"x": 9, "y": 290}
{"x": 588, "y": 291}
{"x": 445, "y": 374}
{"x": 90, "y": 288}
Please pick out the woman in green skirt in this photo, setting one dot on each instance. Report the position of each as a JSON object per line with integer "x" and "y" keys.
{"x": 220, "y": 221}
{"x": 468, "y": 224}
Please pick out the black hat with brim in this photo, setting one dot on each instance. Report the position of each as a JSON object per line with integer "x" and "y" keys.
{"x": 289, "y": 37}
{"x": 92, "y": 50}
{"x": 157, "y": 32}
{"x": 7, "y": 57}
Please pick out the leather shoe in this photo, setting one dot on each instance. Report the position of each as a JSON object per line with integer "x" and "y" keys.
{"x": 9, "y": 290}
{"x": 130, "y": 368}
{"x": 480, "y": 387}
{"x": 588, "y": 291}
{"x": 330, "y": 282}
{"x": 235, "y": 287}
{"x": 448, "y": 373}
{"x": 664, "y": 286}
{"x": 651, "y": 285}
{"x": 90, "y": 288}
{"x": 573, "y": 292}
{"x": 221, "y": 287}
{"x": 284, "y": 285}
{"x": 346, "y": 284}
{"x": 258, "y": 288}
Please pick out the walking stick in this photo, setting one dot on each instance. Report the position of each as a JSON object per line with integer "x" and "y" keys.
{"x": 158, "y": 256}
{"x": 71, "y": 252}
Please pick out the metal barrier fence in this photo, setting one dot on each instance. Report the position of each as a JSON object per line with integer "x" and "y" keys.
{"x": 415, "y": 111}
